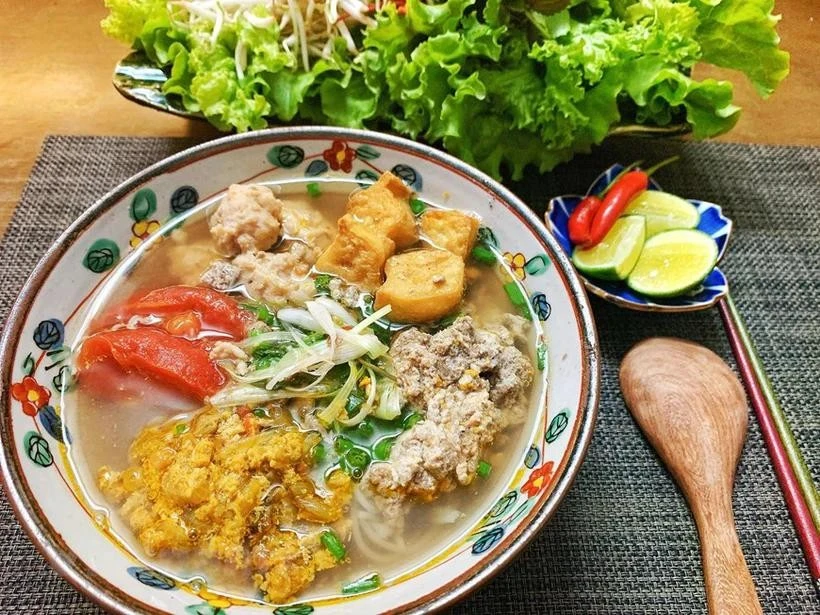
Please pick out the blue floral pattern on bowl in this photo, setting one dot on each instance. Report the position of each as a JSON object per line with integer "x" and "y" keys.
{"x": 712, "y": 222}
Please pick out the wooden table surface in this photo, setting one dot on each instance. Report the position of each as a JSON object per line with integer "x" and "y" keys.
{"x": 56, "y": 79}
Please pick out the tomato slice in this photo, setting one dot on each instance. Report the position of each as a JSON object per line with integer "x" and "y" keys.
{"x": 155, "y": 354}
{"x": 216, "y": 310}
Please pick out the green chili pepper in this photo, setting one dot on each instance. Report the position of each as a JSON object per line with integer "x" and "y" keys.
{"x": 313, "y": 189}
{"x": 332, "y": 543}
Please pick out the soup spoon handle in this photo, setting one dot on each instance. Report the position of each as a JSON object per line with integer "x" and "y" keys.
{"x": 795, "y": 481}
{"x": 730, "y": 589}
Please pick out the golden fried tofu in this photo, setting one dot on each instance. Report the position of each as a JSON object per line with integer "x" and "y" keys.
{"x": 422, "y": 285}
{"x": 385, "y": 207}
{"x": 357, "y": 254}
{"x": 450, "y": 230}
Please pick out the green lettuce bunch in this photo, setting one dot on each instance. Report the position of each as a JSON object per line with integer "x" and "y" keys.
{"x": 501, "y": 84}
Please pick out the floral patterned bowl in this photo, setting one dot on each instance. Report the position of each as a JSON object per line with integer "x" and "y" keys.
{"x": 37, "y": 367}
{"x": 712, "y": 222}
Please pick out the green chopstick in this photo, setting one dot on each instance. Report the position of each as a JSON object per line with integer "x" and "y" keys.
{"x": 801, "y": 471}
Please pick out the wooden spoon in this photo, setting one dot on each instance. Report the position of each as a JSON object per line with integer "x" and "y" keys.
{"x": 691, "y": 407}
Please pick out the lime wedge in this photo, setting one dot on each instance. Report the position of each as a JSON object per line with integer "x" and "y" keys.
{"x": 615, "y": 256}
{"x": 673, "y": 262}
{"x": 663, "y": 211}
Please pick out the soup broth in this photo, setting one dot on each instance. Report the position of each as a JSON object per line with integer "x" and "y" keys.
{"x": 103, "y": 428}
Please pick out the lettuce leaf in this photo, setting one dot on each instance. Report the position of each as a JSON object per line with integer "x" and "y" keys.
{"x": 741, "y": 35}
{"x": 497, "y": 83}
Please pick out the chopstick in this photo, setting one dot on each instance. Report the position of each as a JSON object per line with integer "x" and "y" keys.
{"x": 789, "y": 466}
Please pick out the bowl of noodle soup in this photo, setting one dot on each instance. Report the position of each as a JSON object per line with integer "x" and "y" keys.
{"x": 301, "y": 370}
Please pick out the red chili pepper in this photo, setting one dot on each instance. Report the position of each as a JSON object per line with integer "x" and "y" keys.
{"x": 580, "y": 221}
{"x": 153, "y": 354}
{"x": 616, "y": 197}
{"x": 614, "y": 203}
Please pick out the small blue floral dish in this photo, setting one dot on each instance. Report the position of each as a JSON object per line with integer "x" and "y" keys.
{"x": 712, "y": 222}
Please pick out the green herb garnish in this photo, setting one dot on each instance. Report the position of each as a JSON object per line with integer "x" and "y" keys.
{"x": 322, "y": 283}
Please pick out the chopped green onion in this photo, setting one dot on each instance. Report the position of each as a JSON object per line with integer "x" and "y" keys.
{"x": 417, "y": 206}
{"x": 365, "y": 428}
{"x": 384, "y": 334}
{"x": 372, "y": 318}
{"x": 319, "y": 453}
{"x": 322, "y": 284}
{"x": 265, "y": 315}
{"x": 314, "y": 338}
{"x": 181, "y": 429}
{"x": 445, "y": 322}
{"x": 263, "y": 362}
{"x": 313, "y": 189}
{"x": 267, "y": 353}
{"x": 342, "y": 444}
{"x": 483, "y": 255}
{"x": 335, "y": 407}
{"x": 410, "y": 420}
{"x": 261, "y": 412}
{"x": 261, "y": 311}
{"x": 484, "y": 468}
{"x": 355, "y": 402}
{"x": 518, "y": 299}
{"x": 382, "y": 449}
{"x": 365, "y": 584}
{"x": 357, "y": 458}
{"x": 332, "y": 543}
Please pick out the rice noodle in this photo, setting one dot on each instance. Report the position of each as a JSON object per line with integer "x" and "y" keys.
{"x": 377, "y": 539}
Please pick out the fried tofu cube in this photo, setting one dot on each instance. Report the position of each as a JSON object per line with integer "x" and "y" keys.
{"x": 422, "y": 285}
{"x": 450, "y": 230}
{"x": 385, "y": 206}
{"x": 357, "y": 254}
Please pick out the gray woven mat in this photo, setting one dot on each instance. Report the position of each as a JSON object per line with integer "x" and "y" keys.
{"x": 623, "y": 541}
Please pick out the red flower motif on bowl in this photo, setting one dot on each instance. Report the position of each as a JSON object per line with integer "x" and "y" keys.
{"x": 539, "y": 479}
{"x": 340, "y": 156}
{"x": 30, "y": 394}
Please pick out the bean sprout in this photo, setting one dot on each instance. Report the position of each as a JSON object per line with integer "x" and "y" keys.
{"x": 307, "y": 27}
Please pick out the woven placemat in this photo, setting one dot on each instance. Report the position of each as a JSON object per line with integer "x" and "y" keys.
{"x": 623, "y": 541}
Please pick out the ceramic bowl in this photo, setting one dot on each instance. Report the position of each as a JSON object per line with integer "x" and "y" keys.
{"x": 712, "y": 222}
{"x": 37, "y": 366}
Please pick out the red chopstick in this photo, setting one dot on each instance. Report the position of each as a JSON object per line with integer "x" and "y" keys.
{"x": 795, "y": 502}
